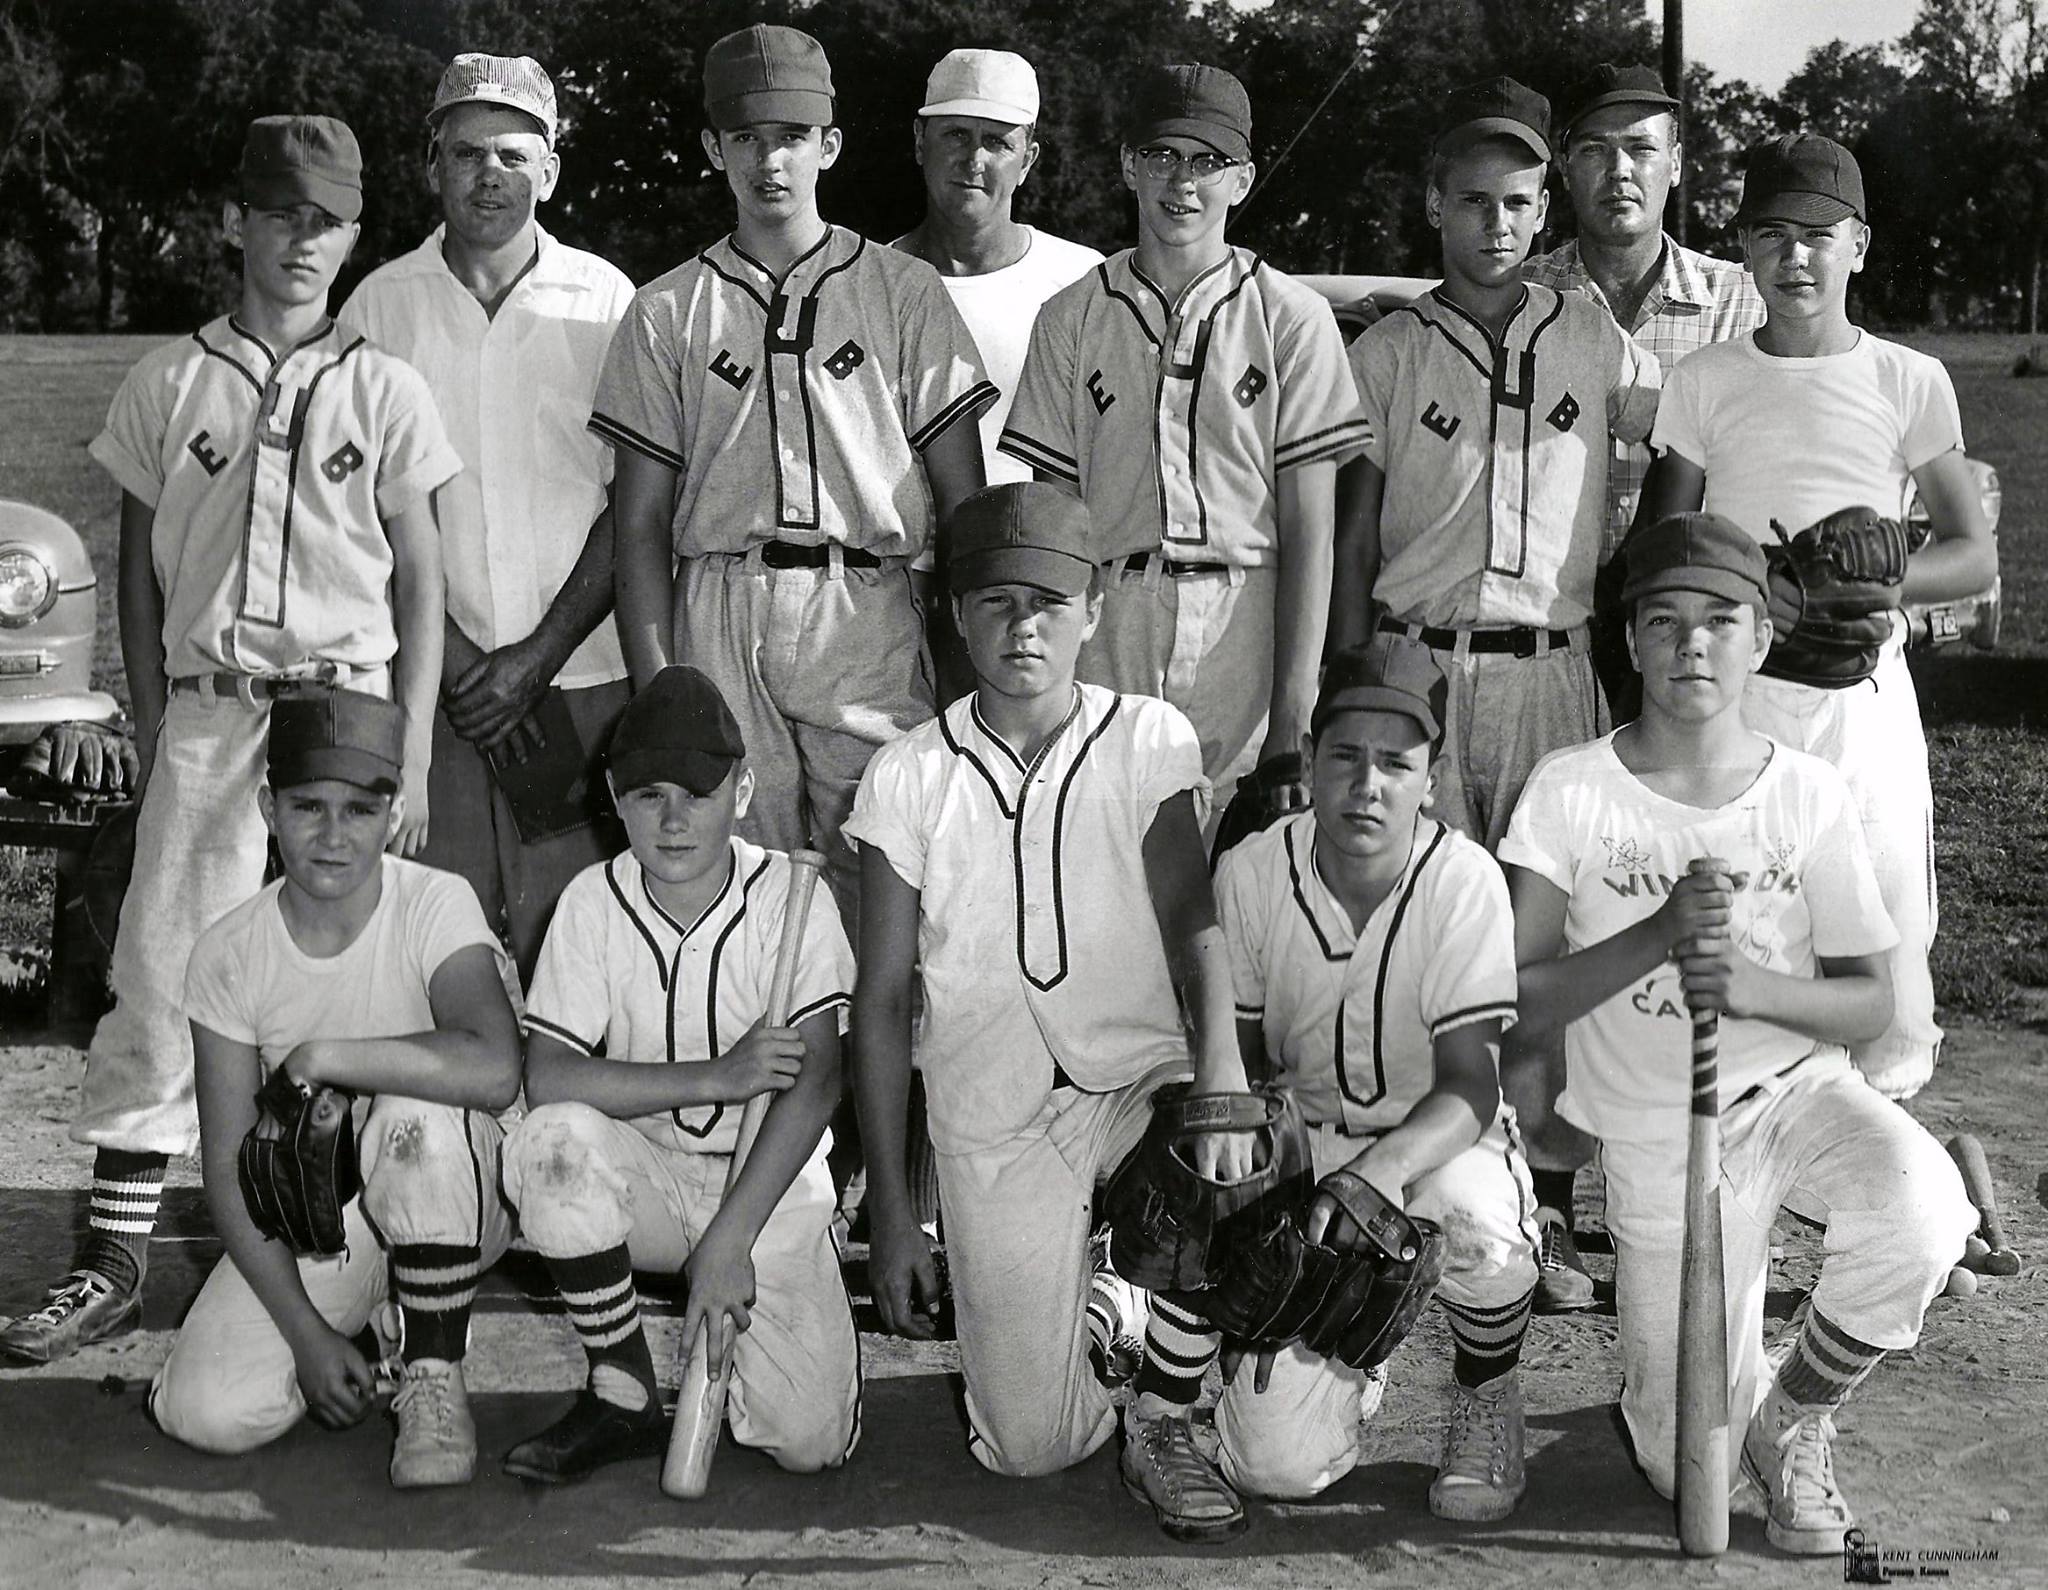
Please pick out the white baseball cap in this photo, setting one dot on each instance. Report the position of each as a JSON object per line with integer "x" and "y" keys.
{"x": 995, "y": 84}
{"x": 515, "y": 80}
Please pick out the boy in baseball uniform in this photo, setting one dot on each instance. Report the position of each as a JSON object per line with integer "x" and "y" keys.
{"x": 645, "y": 1036}
{"x": 1473, "y": 522}
{"x": 1808, "y": 414}
{"x": 277, "y": 534}
{"x": 1786, "y": 937}
{"x": 789, "y": 413}
{"x": 1199, "y": 402}
{"x": 1034, "y": 856}
{"x": 378, "y": 976}
{"x": 1373, "y": 953}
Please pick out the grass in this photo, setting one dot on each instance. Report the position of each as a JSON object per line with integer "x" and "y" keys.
{"x": 1986, "y": 713}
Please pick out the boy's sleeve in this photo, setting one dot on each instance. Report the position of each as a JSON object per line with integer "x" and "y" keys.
{"x": 570, "y": 998}
{"x": 1840, "y": 885}
{"x": 1320, "y": 416}
{"x": 1538, "y": 839}
{"x": 1632, "y": 402}
{"x": 416, "y": 455}
{"x": 1040, "y": 429}
{"x": 1167, "y": 755}
{"x": 1469, "y": 973}
{"x": 888, "y": 813}
{"x": 215, "y": 994}
{"x": 941, "y": 378}
{"x": 1934, "y": 425}
{"x": 130, "y": 446}
{"x": 446, "y": 917}
{"x": 1240, "y": 912}
{"x": 1680, "y": 427}
{"x": 639, "y": 400}
{"x": 1373, "y": 360}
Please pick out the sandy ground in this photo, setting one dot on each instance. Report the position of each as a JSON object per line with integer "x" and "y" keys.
{"x": 1942, "y": 1454}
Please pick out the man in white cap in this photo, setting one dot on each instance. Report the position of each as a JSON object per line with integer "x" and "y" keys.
{"x": 510, "y": 327}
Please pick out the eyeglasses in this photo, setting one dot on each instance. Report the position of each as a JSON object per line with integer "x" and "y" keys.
{"x": 1164, "y": 165}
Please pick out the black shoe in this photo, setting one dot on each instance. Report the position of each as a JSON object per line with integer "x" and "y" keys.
{"x": 83, "y": 1308}
{"x": 591, "y": 1434}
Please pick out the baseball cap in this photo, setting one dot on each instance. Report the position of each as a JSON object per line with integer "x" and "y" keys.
{"x": 344, "y": 734}
{"x": 1800, "y": 177}
{"x": 1496, "y": 107}
{"x": 290, "y": 160}
{"x": 514, "y": 80}
{"x": 677, "y": 731}
{"x": 767, "y": 73}
{"x": 1024, "y": 532}
{"x": 1201, "y": 102}
{"x": 1389, "y": 673}
{"x": 1613, "y": 84}
{"x": 1696, "y": 552}
{"x": 992, "y": 83}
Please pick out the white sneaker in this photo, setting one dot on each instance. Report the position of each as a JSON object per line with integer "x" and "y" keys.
{"x": 436, "y": 1442}
{"x": 1163, "y": 1466}
{"x": 1482, "y": 1476}
{"x": 1788, "y": 1453}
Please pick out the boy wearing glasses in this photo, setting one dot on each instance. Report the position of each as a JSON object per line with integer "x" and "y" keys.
{"x": 1199, "y": 401}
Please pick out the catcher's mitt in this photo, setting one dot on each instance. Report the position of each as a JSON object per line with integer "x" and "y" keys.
{"x": 1833, "y": 587}
{"x": 297, "y": 1165}
{"x": 1272, "y": 790}
{"x": 1169, "y": 1225}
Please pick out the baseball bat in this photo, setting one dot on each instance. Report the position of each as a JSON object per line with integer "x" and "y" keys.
{"x": 1968, "y": 1154}
{"x": 1702, "y": 1479}
{"x": 700, "y": 1405}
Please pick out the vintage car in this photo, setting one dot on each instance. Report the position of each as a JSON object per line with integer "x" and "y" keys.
{"x": 48, "y": 601}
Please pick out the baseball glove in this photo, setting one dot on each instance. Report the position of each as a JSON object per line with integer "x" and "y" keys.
{"x": 297, "y": 1165}
{"x": 1169, "y": 1225}
{"x": 1833, "y": 587}
{"x": 1269, "y": 792}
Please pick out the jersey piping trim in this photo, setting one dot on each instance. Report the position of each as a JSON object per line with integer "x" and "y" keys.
{"x": 1379, "y": 987}
{"x": 1443, "y": 331}
{"x": 1039, "y": 455}
{"x": 1330, "y": 951}
{"x": 969, "y": 403}
{"x": 818, "y": 1007}
{"x": 1503, "y": 1009}
{"x": 559, "y": 1033}
{"x": 979, "y": 766}
{"x": 611, "y": 878}
{"x": 231, "y": 361}
{"x": 1118, "y": 295}
{"x": 740, "y": 282}
{"x": 625, "y": 436}
{"x": 1317, "y": 445}
{"x": 1059, "y": 823}
{"x": 711, "y": 985}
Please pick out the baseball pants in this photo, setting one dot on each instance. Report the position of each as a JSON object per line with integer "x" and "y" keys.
{"x": 1018, "y": 1219}
{"x": 1819, "y": 1135}
{"x": 583, "y": 1182}
{"x": 430, "y": 1175}
{"x": 1304, "y": 1432}
{"x": 1872, "y": 732}
{"x": 821, "y": 667}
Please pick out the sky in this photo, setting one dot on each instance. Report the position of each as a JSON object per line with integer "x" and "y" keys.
{"x": 1766, "y": 41}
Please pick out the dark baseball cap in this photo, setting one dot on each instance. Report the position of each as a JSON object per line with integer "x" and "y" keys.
{"x": 289, "y": 160}
{"x": 677, "y": 731}
{"x": 340, "y": 734}
{"x": 1802, "y": 178}
{"x": 1021, "y": 533}
{"x": 1612, "y": 84}
{"x": 1497, "y": 107}
{"x": 1204, "y": 103}
{"x": 1389, "y": 673}
{"x": 1704, "y": 552}
{"x": 767, "y": 73}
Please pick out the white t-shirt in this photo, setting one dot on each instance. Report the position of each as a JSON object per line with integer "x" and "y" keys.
{"x": 999, "y": 308}
{"x": 1795, "y": 439}
{"x": 249, "y": 982}
{"x": 1804, "y": 889}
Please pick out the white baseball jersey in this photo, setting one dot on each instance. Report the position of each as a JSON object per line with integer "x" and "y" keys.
{"x": 619, "y": 976}
{"x": 1037, "y": 940}
{"x": 1174, "y": 418}
{"x": 514, "y": 390}
{"x": 1496, "y": 455}
{"x": 793, "y": 410}
{"x": 271, "y": 475}
{"x": 1351, "y": 1014}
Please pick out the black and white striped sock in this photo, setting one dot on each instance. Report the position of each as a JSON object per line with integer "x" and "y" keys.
{"x": 436, "y": 1283}
{"x": 1488, "y": 1340}
{"x": 127, "y": 1189}
{"x": 605, "y": 1309}
{"x": 1179, "y": 1347}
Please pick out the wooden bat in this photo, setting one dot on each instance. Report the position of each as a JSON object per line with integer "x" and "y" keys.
{"x": 1702, "y": 1478}
{"x": 700, "y": 1405}
{"x": 1968, "y": 1154}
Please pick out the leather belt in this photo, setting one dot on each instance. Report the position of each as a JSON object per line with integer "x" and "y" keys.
{"x": 814, "y": 555}
{"x": 252, "y": 688}
{"x": 1139, "y": 562}
{"x": 1517, "y": 642}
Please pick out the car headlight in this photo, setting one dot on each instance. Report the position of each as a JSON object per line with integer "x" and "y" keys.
{"x": 28, "y": 586}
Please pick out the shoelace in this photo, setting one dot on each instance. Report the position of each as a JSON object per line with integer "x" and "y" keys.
{"x": 1808, "y": 1465}
{"x": 432, "y": 1390}
{"x": 1553, "y": 1246}
{"x": 1461, "y": 1449}
{"x": 1171, "y": 1445}
{"x": 69, "y": 1298}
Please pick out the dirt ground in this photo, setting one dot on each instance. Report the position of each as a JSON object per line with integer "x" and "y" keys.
{"x": 1942, "y": 1454}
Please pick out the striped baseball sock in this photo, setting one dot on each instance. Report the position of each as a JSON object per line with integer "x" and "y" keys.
{"x": 1488, "y": 1340}
{"x": 605, "y": 1309}
{"x": 1179, "y": 1347}
{"x": 436, "y": 1283}
{"x": 1827, "y": 1363}
{"x": 126, "y": 1190}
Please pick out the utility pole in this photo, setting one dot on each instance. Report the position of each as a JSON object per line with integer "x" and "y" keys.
{"x": 1674, "y": 85}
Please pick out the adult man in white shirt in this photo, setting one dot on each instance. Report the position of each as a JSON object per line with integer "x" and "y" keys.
{"x": 510, "y": 327}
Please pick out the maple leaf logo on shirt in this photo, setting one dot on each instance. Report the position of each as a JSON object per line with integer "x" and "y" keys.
{"x": 1783, "y": 854}
{"x": 1626, "y": 854}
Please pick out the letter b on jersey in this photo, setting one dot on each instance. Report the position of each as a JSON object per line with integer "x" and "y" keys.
{"x": 343, "y": 462}
{"x": 1565, "y": 414}
{"x": 850, "y": 357}
{"x": 1249, "y": 386}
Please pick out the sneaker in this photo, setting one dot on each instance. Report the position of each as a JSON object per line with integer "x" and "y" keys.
{"x": 591, "y": 1434}
{"x": 83, "y": 1308}
{"x": 1482, "y": 1477}
{"x": 1119, "y": 1311}
{"x": 1188, "y": 1494}
{"x": 436, "y": 1442}
{"x": 1562, "y": 1284}
{"x": 1372, "y": 1393}
{"x": 1788, "y": 1454}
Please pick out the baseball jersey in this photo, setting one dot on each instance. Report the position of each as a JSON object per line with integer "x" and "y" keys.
{"x": 514, "y": 390}
{"x": 1174, "y": 417}
{"x": 1495, "y": 455}
{"x": 271, "y": 475}
{"x": 1035, "y": 909}
{"x": 793, "y": 410}
{"x": 620, "y": 977}
{"x": 1794, "y": 439}
{"x": 1695, "y": 300}
{"x": 249, "y": 981}
{"x": 1803, "y": 889}
{"x": 1351, "y": 1014}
